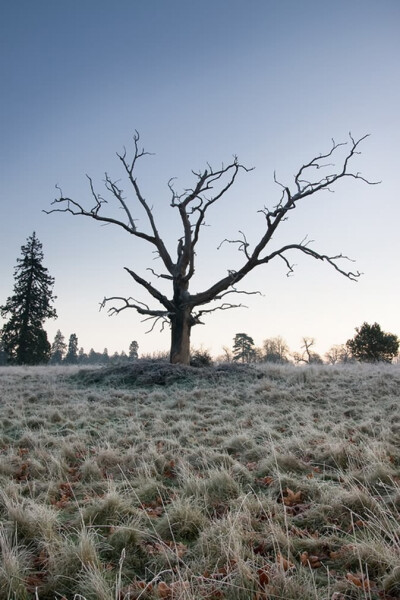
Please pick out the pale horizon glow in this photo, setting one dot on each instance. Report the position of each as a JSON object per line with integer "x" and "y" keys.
{"x": 270, "y": 82}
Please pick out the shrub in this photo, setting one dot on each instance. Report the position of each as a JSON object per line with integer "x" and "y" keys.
{"x": 201, "y": 358}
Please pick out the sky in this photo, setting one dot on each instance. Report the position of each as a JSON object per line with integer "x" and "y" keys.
{"x": 271, "y": 81}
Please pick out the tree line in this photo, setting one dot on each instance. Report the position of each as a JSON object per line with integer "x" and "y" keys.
{"x": 369, "y": 344}
{"x": 23, "y": 340}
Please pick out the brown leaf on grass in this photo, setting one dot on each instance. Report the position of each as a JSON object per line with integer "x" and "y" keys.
{"x": 359, "y": 523}
{"x": 265, "y": 480}
{"x": 163, "y": 590}
{"x": 22, "y": 473}
{"x": 263, "y": 577}
{"x": 284, "y": 563}
{"x": 291, "y": 498}
{"x": 309, "y": 560}
{"x": 359, "y": 581}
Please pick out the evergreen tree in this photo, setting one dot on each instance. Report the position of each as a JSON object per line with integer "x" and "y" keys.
{"x": 72, "y": 353}
{"x": 82, "y": 356}
{"x": 243, "y": 347}
{"x": 24, "y": 339}
{"x": 134, "y": 350}
{"x": 58, "y": 348}
{"x": 371, "y": 344}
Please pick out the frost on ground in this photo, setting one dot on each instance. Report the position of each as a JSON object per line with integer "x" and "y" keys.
{"x": 260, "y": 483}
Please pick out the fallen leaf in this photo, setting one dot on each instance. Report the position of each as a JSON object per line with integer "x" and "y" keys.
{"x": 291, "y": 498}
{"x": 163, "y": 590}
{"x": 284, "y": 563}
{"x": 263, "y": 577}
{"x": 311, "y": 561}
{"x": 265, "y": 480}
{"x": 359, "y": 581}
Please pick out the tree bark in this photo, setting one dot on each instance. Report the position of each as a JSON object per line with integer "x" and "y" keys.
{"x": 181, "y": 325}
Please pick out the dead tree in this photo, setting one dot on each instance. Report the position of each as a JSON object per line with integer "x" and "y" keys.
{"x": 182, "y": 310}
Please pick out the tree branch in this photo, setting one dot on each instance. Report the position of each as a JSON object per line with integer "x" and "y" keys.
{"x": 224, "y": 306}
{"x": 152, "y": 290}
{"x": 310, "y": 252}
{"x": 164, "y": 254}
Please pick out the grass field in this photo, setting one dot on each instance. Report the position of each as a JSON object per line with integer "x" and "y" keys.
{"x": 265, "y": 483}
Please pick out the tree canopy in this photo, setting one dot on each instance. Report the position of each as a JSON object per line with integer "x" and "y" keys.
{"x": 243, "y": 348}
{"x": 371, "y": 344}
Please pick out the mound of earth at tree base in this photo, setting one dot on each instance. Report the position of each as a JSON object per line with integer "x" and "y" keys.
{"x": 154, "y": 373}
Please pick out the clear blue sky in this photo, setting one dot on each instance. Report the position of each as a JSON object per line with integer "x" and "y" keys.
{"x": 271, "y": 81}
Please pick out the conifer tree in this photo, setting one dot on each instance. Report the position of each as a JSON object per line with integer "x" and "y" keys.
{"x": 58, "y": 348}
{"x": 24, "y": 339}
{"x": 71, "y": 357}
{"x": 243, "y": 347}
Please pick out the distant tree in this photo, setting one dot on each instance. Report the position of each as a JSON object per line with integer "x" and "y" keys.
{"x": 115, "y": 357}
{"x": 134, "y": 350}
{"x": 338, "y": 354}
{"x": 181, "y": 308}
{"x": 275, "y": 350}
{"x": 308, "y": 356}
{"x": 227, "y": 354}
{"x": 123, "y": 357}
{"x": 23, "y": 336}
{"x": 58, "y": 349}
{"x": 82, "y": 357}
{"x": 71, "y": 357}
{"x": 371, "y": 344}
{"x": 94, "y": 358}
{"x": 105, "y": 357}
{"x": 243, "y": 348}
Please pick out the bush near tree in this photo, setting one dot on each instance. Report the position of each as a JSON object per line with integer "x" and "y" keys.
{"x": 371, "y": 344}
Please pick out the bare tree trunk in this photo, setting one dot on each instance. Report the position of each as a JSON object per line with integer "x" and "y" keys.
{"x": 181, "y": 325}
